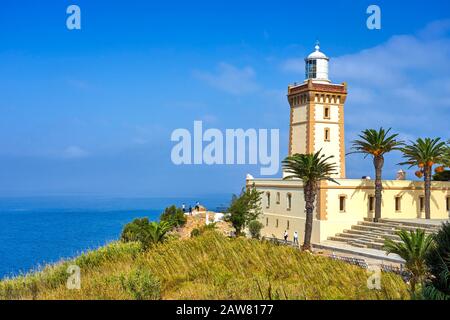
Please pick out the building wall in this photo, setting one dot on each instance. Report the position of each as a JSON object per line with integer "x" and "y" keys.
{"x": 299, "y": 128}
{"x": 309, "y": 122}
{"x": 329, "y": 219}
{"x": 277, "y": 217}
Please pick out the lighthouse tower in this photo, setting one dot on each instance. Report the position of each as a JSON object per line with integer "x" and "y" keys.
{"x": 317, "y": 112}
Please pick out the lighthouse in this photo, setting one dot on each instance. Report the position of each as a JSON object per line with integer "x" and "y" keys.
{"x": 317, "y": 112}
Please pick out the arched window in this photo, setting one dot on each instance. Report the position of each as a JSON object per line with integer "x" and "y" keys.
{"x": 289, "y": 201}
{"x": 326, "y": 134}
{"x": 398, "y": 203}
{"x": 268, "y": 199}
{"x": 326, "y": 112}
{"x": 371, "y": 203}
{"x": 342, "y": 203}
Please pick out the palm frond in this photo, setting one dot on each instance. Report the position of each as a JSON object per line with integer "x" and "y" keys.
{"x": 376, "y": 142}
{"x": 425, "y": 151}
{"x": 310, "y": 167}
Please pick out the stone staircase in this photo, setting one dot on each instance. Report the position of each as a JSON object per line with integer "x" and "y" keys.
{"x": 367, "y": 234}
{"x": 366, "y": 239}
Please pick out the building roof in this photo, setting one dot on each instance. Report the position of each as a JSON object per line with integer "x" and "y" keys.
{"x": 312, "y": 86}
{"x": 317, "y": 54}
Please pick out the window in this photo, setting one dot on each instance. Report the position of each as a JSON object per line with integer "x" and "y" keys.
{"x": 371, "y": 203}
{"x": 267, "y": 222}
{"x": 342, "y": 203}
{"x": 448, "y": 204}
{"x": 277, "y": 223}
{"x": 311, "y": 69}
{"x": 398, "y": 204}
{"x": 278, "y": 198}
{"x": 287, "y": 225}
{"x": 422, "y": 203}
{"x": 326, "y": 112}
{"x": 327, "y": 134}
{"x": 289, "y": 201}
{"x": 268, "y": 199}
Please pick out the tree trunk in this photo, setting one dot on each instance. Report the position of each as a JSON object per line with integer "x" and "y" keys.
{"x": 412, "y": 283}
{"x": 310, "y": 191}
{"x": 427, "y": 178}
{"x": 378, "y": 162}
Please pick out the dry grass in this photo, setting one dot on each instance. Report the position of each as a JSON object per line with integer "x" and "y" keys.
{"x": 197, "y": 221}
{"x": 207, "y": 267}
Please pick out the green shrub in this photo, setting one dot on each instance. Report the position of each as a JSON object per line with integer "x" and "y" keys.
{"x": 199, "y": 231}
{"x": 255, "y": 227}
{"x": 173, "y": 215}
{"x": 135, "y": 230}
{"x": 141, "y": 284}
{"x": 195, "y": 232}
{"x": 244, "y": 208}
{"x": 438, "y": 262}
{"x": 145, "y": 232}
{"x": 442, "y": 176}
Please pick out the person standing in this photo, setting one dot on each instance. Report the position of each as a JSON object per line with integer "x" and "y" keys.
{"x": 286, "y": 235}
{"x": 190, "y": 210}
{"x": 183, "y": 207}
{"x": 296, "y": 238}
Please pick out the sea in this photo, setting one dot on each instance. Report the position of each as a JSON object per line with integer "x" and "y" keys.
{"x": 35, "y": 231}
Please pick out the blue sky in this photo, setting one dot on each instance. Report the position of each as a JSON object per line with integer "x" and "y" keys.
{"x": 91, "y": 111}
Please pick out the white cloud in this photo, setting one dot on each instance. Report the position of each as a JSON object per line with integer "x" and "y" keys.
{"x": 75, "y": 152}
{"x": 230, "y": 79}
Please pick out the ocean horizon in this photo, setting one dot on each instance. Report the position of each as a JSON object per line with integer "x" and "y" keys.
{"x": 36, "y": 231}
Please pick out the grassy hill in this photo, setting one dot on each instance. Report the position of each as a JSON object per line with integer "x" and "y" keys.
{"x": 207, "y": 267}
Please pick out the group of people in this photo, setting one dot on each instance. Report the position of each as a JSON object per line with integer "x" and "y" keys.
{"x": 196, "y": 208}
{"x": 286, "y": 236}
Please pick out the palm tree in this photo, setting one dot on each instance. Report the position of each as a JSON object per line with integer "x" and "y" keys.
{"x": 413, "y": 249}
{"x": 425, "y": 153}
{"x": 376, "y": 144}
{"x": 447, "y": 154}
{"x": 438, "y": 262}
{"x": 157, "y": 231}
{"x": 311, "y": 169}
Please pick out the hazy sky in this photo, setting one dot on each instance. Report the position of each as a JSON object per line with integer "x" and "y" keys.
{"x": 92, "y": 111}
